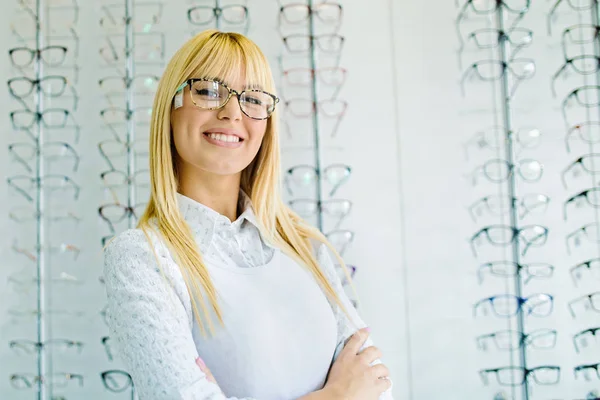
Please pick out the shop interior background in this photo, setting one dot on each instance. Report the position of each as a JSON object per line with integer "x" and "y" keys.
{"x": 423, "y": 157}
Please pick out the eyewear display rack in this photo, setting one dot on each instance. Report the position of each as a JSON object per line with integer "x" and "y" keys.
{"x": 580, "y": 46}
{"x": 499, "y": 70}
{"x": 35, "y": 119}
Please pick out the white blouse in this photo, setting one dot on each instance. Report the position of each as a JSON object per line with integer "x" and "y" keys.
{"x": 281, "y": 335}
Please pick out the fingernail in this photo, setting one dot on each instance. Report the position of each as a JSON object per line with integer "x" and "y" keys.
{"x": 200, "y": 362}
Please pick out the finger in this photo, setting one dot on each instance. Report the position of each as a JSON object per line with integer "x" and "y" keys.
{"x": 356, "y": 341}
{"x": 370, "y": 354}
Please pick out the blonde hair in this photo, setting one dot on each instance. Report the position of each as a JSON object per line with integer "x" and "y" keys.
{"x": 214, "y": 54}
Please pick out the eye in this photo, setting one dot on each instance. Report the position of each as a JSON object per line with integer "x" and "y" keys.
{"x": 207, "y": 93}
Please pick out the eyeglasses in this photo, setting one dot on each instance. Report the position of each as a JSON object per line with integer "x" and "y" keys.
{"x": 29, "y": 347}
{"x": 587, "y": 370}
{"x": 340, "y": 239}
{"x": 495, "y": 138}
{"x": 52, "y": 130}
{"x": 30, "y": 252}
{"x": 147, "y": 14}
{"x": 63, "y": 8}
{"x": 211, "y": 94}
{"x": 577, "y": 5}
{"x": 591, "y": 302}
{"x": 507, "y": 305}
{"x": 498, "y": 170}
{"x": 50, "y": 117}
{"x": 148, "y": 49}
{"x": 590, "y": 231}
{"x": 24, "y": 214}
{"x": 489, "y": 38}
{"x": 512, "y": 340}
{"x": 327, "y": 43}
{"x": 116, "y": 380}
{"x": 327, "y": 13}
{"x": 578, "y": 35}
{"x": 331, "y": 108}
{"x": 330, "y": 76}
{"x": 587, "y": 96}
{"x": 305, "y": 175}
{"x": 593, "y": 266}
{"x": 115, "y": 178}
{"x": 492, "y": 70}
{"x": 589, "y": 163}
{"x": 504, "y": 235}
{"x": 52, "y": 182}
{"x": 582, "y": 64}
{"x": 51, "y": 56}
{"x": 589, "y": 196}
{"x": 25, "y": 153}
{"x": 336, "y": 208}
{"x": 234, "y": 14}
{"x": 24, "y": 283}
{"x": 119, "y": 115}
{"x": 588, "y": 132}
{"x": 59, "y": 380}
{"x": 490, "y": 7}
{"x": 580, "y": 339}
{"x": 114, "y": 213}
{"x": 68, "y": 314}
{"x": 509, "y": 269}
{"x": 141, "y": 84}
{"x": 516, "y": 376}
{"x": 111, "y": 149}
{"x": 498, "y": 205}
{"x": 51, "y": 86}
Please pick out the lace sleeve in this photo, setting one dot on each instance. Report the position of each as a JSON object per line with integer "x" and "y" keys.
{"x": 346, "y": 327}
{"x": 147, "y": 318}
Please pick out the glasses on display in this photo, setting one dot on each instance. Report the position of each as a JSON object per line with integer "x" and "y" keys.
{"x": 306, "y": 175}
{"x": 584, "y": 64}
{"x": 590, "y": 268}
{"x": 119, "y": 115}
{"x": 327, "y": 43}
{"x": 498, "y": 170}
{"x": 63, "y": 248}
{"x": 211, "y": 94}
{"x": 64, "y": 10}
{"x": 577, "y": 37}
{"x": 30, "y": 347}
{"x": 588, "y": 163}
{"x": 51, "y": 56}
{"x": 26, "y": 153}
{"x": 507, "y": 269}
{"x": 50, "y": 85}
{"x": 591, "y": 197}
{"x": 24, "y": 283}
{"x": 143, "y": 84}
{"x": 495, "y": 138}
{"x": 50, "y": 117}
{"x": 340, "y": 239}
{"x": 116, "y": 380}
{"x": 509, "y": 340}
{"x": 148, "y": 49}
{"x": 115, "y": 179}
{"x": 588, "y": 371}
{"x": 589, "y": 302}
{"x": 489, "y": 38}
{"x": 582, "y": 339}
{"x": 110, "y": 150}
{"x": 328, "y": 76}
{"x": 492, "y": 70}
{"x": 326, "y": 13}
{"x": 331, "y": 108}
{"x": 233, "y": 14}
{"x": 516, "y": 376}
{"x": 52, "y": 182}
{"x": 497, "y": 205}
{"x": 587, "y": 96}
{"x": 147, "y": 14}
{"x": 590, "y": 231}
{"x": 336, "y": 208}
{"x": 57, "y": 380}
{"x": 504, "y": 235}
{"x": 507, "y": 305}
{"x": 115, "y": 213}
{"x": 26, "y": 214}
{"x": 588, "y": 132}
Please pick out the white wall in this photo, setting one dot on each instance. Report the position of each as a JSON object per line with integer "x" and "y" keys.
{"x": 403, "y": 136}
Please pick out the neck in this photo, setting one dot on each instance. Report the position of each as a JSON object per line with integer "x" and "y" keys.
{"x": 218, "y": 192}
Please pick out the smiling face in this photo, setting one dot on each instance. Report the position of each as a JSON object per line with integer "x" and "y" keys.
{"x": 218, "y": 142}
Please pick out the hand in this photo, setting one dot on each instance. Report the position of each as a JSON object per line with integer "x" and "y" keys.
{"x": 352, "y": 377}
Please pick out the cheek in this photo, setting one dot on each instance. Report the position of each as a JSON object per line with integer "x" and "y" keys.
{"x": 256, "y": 131}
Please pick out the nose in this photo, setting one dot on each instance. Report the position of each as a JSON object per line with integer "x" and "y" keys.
{"x": 231, "y": 110}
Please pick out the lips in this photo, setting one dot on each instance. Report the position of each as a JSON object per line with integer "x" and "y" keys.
{"x": 225, "y": 131}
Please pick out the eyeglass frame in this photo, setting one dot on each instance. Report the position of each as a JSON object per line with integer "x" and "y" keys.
{"x": 231, "y": 91}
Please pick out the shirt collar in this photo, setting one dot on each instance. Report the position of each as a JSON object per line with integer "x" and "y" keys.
{"x": 206, "y": 222}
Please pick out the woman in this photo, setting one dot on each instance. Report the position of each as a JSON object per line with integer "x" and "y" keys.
{"x": 214, "y": 159}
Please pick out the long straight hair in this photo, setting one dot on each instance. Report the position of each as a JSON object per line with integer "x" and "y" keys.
{"x": 212, "y": 54}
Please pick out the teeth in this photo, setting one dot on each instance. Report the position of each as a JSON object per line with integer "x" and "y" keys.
{"x": 224, "y": 138}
